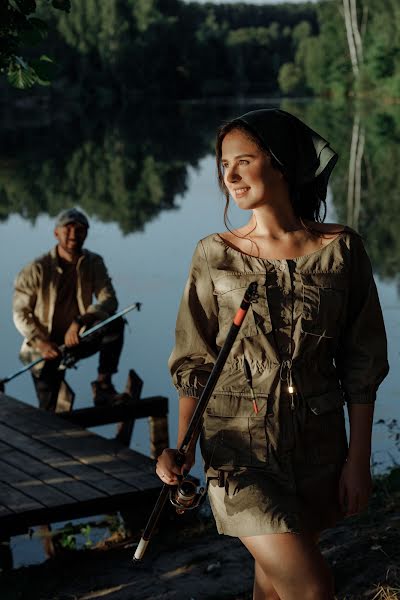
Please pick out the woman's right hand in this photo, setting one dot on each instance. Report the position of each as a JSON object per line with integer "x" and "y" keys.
{"x": 167, "y": 469}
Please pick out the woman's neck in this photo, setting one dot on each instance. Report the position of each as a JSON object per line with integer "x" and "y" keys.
{"x": 272, "y": 224}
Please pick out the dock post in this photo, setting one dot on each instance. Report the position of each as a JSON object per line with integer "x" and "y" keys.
{"x": 159, "y": 438}
{"x": 133, "y": 387}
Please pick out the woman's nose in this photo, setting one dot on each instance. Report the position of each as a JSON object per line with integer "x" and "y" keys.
{"x": 232, "y": 175}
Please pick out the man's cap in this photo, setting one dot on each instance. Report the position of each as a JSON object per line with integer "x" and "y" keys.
{"x": 71, "y": 215}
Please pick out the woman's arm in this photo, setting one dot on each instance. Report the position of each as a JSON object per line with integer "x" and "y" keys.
{"x": 167, "y": 470}
{"x": 355, "y": 482}
{"x": 362, "y": 365}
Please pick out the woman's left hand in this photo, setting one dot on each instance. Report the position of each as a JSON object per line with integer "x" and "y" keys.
{"x": 355, "y": 486}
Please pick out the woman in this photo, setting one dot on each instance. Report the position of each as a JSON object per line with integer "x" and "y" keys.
{"x": 276, "y": 458}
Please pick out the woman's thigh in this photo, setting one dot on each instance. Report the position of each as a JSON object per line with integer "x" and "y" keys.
{"x": 293, "y": 564}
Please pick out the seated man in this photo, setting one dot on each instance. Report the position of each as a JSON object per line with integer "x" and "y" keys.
{"x": 53, "y": 302}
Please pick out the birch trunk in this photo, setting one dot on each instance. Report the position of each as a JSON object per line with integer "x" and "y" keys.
{"x": 355, "y": 173}
{"x": 356, "y": 31}
{"x": 350, "y": 37}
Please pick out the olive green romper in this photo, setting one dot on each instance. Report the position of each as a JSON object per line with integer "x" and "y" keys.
{"x": 313, "y": 340}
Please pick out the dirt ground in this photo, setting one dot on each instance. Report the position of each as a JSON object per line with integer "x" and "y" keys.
{"x": 192, "y": 562}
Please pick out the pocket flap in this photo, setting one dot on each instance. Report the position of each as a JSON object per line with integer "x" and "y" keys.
{"x": 336, "y": 281}
{"x": 235, "y": 405}
{"x": 228, "y": 281}
{"x": 325, "y": 403}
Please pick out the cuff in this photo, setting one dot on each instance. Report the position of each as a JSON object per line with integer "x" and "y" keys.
{"x": 366, "y": 397}
{"x": 188, "y": 391}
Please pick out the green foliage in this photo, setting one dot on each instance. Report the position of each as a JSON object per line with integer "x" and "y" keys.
{"x": 290, "y": 79}
{"x": 379, "y": 221}
{"x": 119, "y": 48}
{"x": 18, "y": 30}
{"x": 145, "y": 47}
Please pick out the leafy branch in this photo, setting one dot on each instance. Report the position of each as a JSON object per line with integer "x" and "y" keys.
{"x": 21, "y": 29}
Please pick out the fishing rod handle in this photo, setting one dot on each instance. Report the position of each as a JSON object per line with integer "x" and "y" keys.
{"x": 152, "y": 522}
{"x": 156, "y": 513}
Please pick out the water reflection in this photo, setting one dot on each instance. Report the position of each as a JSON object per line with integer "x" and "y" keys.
{"x": 366, "y": 181}
{"x": 127, "y": 168}
{"x": 124, "y": 170}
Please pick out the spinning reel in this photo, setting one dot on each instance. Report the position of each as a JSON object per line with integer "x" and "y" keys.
{"x": 186, "y": 497}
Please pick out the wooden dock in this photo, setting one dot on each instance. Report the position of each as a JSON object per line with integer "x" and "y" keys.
{"x": 52, "y": 469}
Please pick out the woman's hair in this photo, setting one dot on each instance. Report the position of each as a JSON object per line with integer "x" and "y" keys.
{"x": 305, "y": 200}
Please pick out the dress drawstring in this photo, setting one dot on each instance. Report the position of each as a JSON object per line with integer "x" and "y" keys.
{"x": 285, "y": 375}
{"x": 249, "y": 380}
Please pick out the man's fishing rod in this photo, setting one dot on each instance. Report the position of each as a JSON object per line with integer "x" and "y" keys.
{"x": 86, "y": 333}
{"x": 250, "y": 296}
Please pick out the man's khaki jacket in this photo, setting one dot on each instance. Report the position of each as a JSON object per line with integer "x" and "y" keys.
{"x": 35, "y": 296}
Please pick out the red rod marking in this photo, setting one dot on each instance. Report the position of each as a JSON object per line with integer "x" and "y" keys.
{"x": 240, "y": 315}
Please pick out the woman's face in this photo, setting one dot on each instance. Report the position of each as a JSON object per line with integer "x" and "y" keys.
{"x": 248, "y": 174}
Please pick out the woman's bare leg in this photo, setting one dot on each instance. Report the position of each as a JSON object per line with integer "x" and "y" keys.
{"x": 293, "y": 566}
{"x": 263, "y": 588}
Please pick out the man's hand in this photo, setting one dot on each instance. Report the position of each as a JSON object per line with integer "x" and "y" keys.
{"x": 49, "y": 350}
{"x": 71, "y": 337}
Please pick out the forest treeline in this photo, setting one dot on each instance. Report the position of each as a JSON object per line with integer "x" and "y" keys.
{"x": 123, "y": 49}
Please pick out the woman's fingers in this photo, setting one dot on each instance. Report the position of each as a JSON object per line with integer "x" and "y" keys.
{"x": 166, "y": 468}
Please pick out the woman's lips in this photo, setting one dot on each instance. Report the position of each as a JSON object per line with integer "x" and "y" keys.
{"x": 239, "y": 192}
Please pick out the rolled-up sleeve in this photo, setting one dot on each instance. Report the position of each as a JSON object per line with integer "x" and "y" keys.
{"x": 106, "y": 300}
{"x": 362, "y": 355}
{"x": 26, "y": 286}
{"x": 195, "y": 350}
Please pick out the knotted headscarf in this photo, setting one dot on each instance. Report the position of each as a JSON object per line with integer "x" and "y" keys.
{"x": 303, "y": 154}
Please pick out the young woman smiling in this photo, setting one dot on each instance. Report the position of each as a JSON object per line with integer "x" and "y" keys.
{"x": 279, "y": 474}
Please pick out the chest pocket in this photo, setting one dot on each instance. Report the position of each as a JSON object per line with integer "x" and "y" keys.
{"x": 230, "y": 289}
{"x": 324, "y": 303}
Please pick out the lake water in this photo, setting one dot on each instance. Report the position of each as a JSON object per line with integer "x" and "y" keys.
{"x": 149, "y": 262}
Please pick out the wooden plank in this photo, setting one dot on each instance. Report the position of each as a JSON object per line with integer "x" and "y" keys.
{"x": 50, "y": 464}
{"x": 17, "y": 501}
{"x": 95, "y": 482}
{"x": 141, "y": 502}
{"x": 4, "y": 510}
{"x": 31, "y": 486}
{"x": 156, "y": 406}
{"x": 50, "y": 476}
{"x": 80, "y": 471}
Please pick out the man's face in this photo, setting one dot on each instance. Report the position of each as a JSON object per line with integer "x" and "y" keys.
{"x": 71, "y": 237}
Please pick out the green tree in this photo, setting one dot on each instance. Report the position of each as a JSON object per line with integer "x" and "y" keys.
{"x": 20, "y": 30}
{"x": 290, "y": 78}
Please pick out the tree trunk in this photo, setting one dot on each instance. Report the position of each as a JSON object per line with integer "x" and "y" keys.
{"x": 350, "y": 38}
{"x": 355, "y": 173}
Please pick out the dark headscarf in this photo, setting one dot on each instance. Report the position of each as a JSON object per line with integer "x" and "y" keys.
{"x": 303, "y": 154}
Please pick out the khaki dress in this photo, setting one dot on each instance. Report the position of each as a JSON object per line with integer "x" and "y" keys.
{"x": 313, "y": 340}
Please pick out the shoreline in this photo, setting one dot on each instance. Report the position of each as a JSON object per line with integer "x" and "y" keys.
{"x": 188, "y": 560}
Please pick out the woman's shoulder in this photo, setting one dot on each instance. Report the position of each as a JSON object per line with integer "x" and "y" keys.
{"x": 328, "y": 229}
{"x": 333, "y": 231}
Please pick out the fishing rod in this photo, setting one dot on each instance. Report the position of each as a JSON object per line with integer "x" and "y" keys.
{"x": 83, "y": 335}
{"x": 183, "y": 496}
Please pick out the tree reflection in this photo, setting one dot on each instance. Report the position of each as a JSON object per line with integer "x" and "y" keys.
{"x": 129, "y": 168}
{"x": 124, "y": 171}
{"x": 366, "y": 181}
